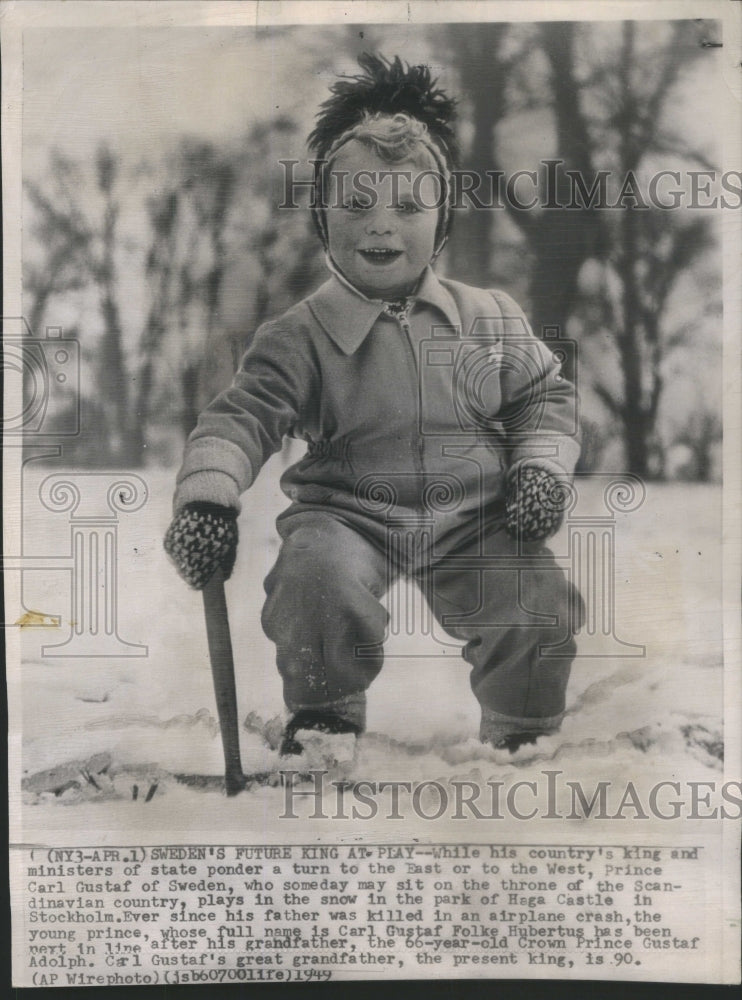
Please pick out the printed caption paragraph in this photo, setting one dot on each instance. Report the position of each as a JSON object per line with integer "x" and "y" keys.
{"x": 218, "y": 914}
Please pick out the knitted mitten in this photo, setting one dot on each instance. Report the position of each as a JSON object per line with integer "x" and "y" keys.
{"x": 533, "y": 504}
{"x": 201, "y": 538}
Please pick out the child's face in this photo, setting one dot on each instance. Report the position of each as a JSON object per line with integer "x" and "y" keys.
{"x": 381, "y": 221}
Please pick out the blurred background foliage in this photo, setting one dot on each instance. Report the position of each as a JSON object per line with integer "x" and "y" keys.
{"x": 162, "y": 256}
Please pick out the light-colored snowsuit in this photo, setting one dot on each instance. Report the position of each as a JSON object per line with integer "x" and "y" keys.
{"x": 412, "y": 427}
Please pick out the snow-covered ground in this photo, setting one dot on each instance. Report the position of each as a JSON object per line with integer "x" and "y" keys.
{"x": 139, "y": 721}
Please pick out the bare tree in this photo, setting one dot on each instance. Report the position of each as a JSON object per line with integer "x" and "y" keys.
{"x": 225, "y": 201}
{"x": 608, "y": 100}
{"x": 160, "y": 264}
{"x": 79, "y": 251}
{"x": 214, "y": 222}
{"x": 120, "y": 425}
{"x": 649, "y": 249}
{"x": 484, "y": 71}
{"x": 501, "y": 77}
{"x": 60, "y": 228}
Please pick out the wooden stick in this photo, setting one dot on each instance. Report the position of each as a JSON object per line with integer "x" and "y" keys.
{"x": 222, "y": 670}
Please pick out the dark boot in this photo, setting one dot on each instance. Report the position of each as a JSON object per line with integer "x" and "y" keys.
{"x": 505, "y": 732}
{"x": 315, "y": 720}
{"x": 514, "y": 741}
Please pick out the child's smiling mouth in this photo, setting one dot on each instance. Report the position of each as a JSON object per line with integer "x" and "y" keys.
{"x": 380, "y": 255}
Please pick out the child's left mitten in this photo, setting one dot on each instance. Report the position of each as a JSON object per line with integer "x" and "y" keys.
{"x": 534, "y": 504}
{"x": 202, "y": 538}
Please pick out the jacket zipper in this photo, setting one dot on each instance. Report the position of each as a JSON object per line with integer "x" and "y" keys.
{"x": 417, "y": 445}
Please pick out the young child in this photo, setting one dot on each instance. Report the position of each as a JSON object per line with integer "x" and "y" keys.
{"x": 440, "y": 433}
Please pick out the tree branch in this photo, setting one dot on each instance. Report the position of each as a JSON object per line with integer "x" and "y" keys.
{"x": 611, "y": 403}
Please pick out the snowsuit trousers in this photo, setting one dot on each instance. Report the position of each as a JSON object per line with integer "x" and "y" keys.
{"x": 324, "y": 613}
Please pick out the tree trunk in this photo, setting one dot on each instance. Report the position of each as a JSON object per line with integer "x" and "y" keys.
{"x": 483, "y": 79}
{"x": 189, "y": 380}
{"x": 561, "y": 239}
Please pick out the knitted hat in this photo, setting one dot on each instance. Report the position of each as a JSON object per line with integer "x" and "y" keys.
{"x": 385, "y": 88}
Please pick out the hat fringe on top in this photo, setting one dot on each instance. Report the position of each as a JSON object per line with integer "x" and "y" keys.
{"x": 386, "y": 87}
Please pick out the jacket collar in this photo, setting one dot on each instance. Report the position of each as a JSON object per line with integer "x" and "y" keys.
{"x": 346, "y": 315}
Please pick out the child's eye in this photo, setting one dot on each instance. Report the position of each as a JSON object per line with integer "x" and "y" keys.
{"x": 357, "y": 204}
{"x": 407, "y": 207}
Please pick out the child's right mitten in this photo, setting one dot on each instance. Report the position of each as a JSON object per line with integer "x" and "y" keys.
{"x": 534, "y": 504}
{"x": 202, "y": 538}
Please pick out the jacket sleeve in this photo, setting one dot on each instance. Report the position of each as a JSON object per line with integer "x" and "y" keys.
{"x": 539, "y": 405}
{"x": 238, "y": 431}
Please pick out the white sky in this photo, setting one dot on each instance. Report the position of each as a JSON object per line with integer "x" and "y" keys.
{"x": 142, "y": 89}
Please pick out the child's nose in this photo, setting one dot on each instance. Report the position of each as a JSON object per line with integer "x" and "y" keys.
{"x": 380, "y": 222}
